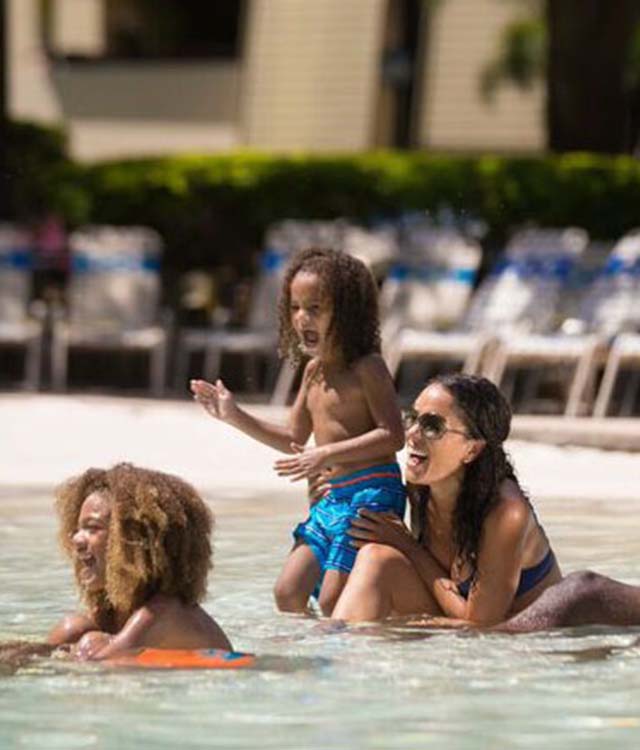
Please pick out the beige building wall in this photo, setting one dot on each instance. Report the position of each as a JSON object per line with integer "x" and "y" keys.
{"x": 30, "y": 93}
{"x": 308, "y": 79}
{"x": 79, "y": 27}
{"x": 311, "y": 73}
{"x": 117, "y": 108}
{"x": 464, "y": 37}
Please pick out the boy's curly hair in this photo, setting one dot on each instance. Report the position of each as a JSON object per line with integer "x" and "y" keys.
{"x": 355, "y": 325}
{"x": 158, "y": 543}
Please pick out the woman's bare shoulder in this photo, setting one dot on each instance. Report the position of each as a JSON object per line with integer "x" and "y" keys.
{"x": 512, "y": 510}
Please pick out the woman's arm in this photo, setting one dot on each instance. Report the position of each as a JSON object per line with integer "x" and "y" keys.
{"x": 385, "y": 438}
{"x": 387, "y": 528}
{"x": 221, "y": 404}
{"x": 499, "y": 567}
{"x": 499, "y": 562}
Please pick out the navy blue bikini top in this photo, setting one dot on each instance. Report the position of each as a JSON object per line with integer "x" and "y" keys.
{"x": 529, "y": 577}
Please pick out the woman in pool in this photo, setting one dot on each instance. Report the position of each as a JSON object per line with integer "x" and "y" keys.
{"x": 477, "y": 554}
{"x": 140, "y": 545}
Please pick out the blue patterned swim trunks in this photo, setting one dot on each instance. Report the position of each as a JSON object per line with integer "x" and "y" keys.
{"x": 326, "y": 530}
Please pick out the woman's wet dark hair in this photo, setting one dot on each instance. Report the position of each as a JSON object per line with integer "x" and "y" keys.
{"x": 486, "y": 414}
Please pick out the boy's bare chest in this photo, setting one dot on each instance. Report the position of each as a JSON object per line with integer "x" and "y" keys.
{"x": 339, "y": 396}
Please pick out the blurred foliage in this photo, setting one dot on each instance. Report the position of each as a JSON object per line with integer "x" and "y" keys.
{"x": 521, "y": 58}
{"x": 213, "y": 210}
{"x": 42, "y": 178}
{"x": 632, "y": 67}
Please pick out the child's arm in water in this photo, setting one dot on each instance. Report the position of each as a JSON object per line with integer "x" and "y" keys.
{"x": 384, "y": 439}
{"x": 159, "y": 623}
{"x": 221, "y": 404}
{"x": 70, "y": 629}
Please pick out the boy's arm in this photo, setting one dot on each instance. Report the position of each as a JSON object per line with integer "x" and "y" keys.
{"x": 221, "y": 404}
{"x": 387, "y": 436}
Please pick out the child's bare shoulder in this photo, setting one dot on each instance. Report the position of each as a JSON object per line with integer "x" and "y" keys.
{"x": 370, "y": 365}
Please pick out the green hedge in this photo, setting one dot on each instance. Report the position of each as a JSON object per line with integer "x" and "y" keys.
{"x": 211, "y": 209}
{"x": 41, "y": 177}
{"x": 214, "y": 209}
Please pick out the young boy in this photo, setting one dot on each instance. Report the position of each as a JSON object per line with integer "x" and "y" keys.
{"x": 328, "y": 315}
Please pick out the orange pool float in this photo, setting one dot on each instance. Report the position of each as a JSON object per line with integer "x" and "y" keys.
{"x": 166, "y": 658}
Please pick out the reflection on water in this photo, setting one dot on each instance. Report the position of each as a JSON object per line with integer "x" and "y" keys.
{"x": 317, "y": 685}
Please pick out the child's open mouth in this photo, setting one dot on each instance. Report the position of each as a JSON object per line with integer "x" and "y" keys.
{"x": 310, "y": 338}
{"x": 86, "y": 564}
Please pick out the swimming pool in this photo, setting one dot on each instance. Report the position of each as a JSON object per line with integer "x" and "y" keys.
{"x": 381, "y": 687}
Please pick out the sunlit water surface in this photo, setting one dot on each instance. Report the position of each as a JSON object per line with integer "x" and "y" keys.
{"x": 384, "y": 687}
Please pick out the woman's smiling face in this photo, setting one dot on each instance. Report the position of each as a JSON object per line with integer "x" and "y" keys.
{"x": 90, "y": 541}
{"x": 431, "y": 460}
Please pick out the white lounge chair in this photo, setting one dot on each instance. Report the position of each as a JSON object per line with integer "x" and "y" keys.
{"x": 113, "y": 299}
{"x": 606, "y": 309}
{"x": 259, "y": 337}
{"x": 425, "y": 297}
{"x": 18, "y": 327}
{"x": 520, "y": 294}
{"x": 622, "y": 312}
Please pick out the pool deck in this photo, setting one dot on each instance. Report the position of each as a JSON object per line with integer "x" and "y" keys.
{"x": 612, "y": 433}
{"x": 45, "y": 438}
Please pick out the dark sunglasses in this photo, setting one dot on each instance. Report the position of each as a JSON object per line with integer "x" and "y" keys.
{"x": 432, "y": 426}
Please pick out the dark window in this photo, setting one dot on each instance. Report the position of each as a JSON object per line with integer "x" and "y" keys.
{"x": 156, "y": 29}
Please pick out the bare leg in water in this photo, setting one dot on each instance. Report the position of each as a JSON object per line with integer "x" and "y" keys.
{"x": 582, "y": 598}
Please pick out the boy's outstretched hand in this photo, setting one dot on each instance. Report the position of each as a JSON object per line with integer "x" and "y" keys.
{"x": 304, "y": 464}
{"x": 215, "y": 398}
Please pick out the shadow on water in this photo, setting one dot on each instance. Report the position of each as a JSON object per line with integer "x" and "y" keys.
{"x": 599, "y": 652}
{"x": 594, "y": 653}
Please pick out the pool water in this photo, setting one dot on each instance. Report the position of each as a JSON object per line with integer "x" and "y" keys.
{"x": 368, "y": 687}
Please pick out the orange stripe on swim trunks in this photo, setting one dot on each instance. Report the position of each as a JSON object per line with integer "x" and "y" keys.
{"x": 366, "y": 477}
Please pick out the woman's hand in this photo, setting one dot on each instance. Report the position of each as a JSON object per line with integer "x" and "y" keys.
{"x": 384, "y": 528}
{"x": 307, "y": 463}
{"x": 215, "y": 398}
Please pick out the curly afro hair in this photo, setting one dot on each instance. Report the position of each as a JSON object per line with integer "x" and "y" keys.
{"x": 355, "y": 323}
{"x": 158, "y": 538}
